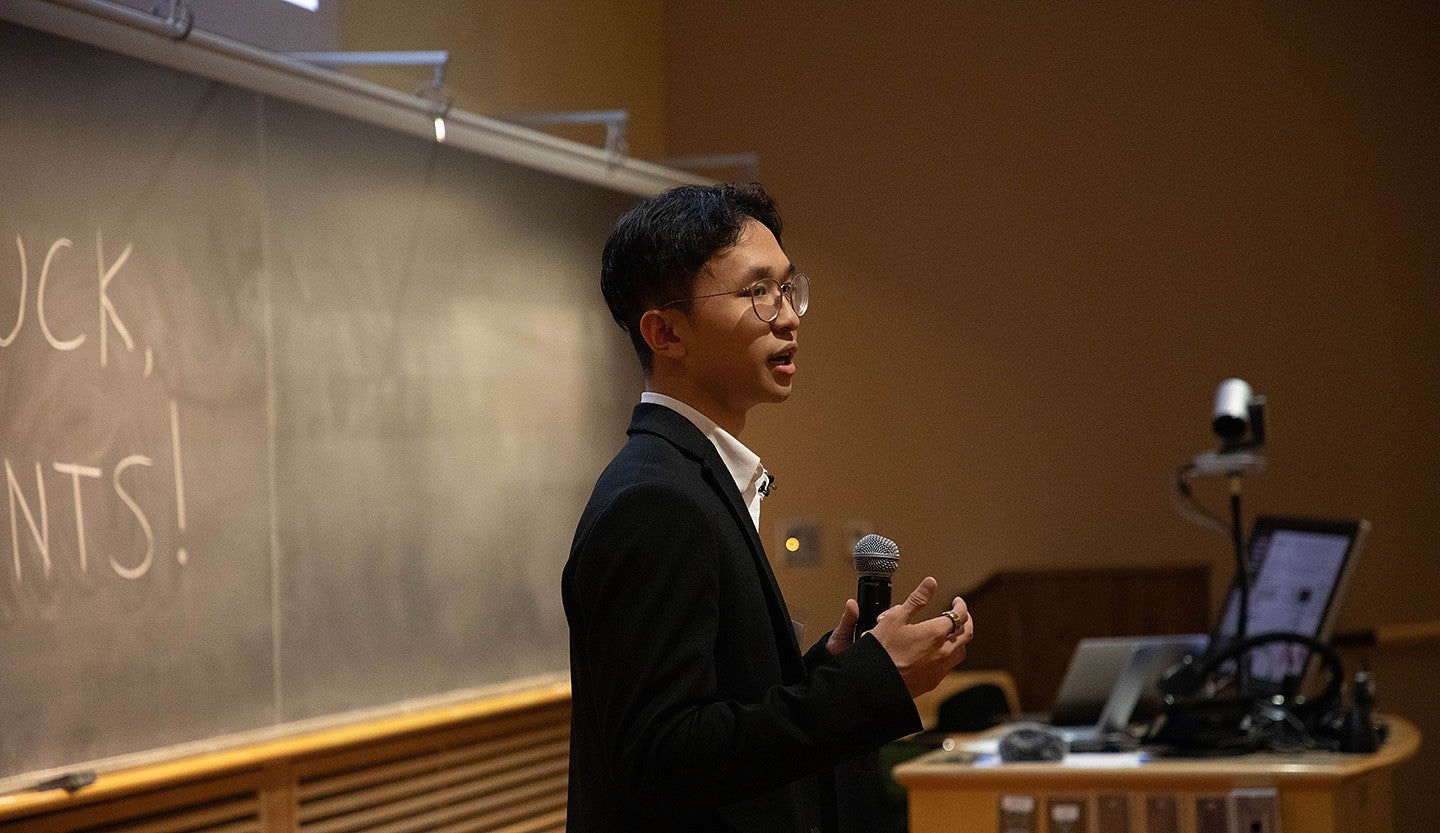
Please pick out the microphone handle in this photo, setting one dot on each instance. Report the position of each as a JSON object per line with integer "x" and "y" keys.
{"x": 874, "y": 598}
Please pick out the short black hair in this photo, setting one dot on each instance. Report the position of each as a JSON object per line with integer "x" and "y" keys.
{"x": 658, "y": 248}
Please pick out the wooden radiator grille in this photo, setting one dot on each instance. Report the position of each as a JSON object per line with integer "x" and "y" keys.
{"x": 491, "y": 766}
{"x": 186, "y": 809}
{"x": 514, "y": 781}
{"x": 239, "y": 816}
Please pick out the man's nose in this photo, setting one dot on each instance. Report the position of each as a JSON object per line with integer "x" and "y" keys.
{"x": 787, "y": 319}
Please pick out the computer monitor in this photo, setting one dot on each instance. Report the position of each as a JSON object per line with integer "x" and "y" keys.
{"x": 1300, "y": 569}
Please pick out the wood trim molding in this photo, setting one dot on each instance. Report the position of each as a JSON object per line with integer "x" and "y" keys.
{"x": 271, "y": 770}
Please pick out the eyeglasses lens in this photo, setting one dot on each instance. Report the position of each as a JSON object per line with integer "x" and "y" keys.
{"x": 767, "y": 302}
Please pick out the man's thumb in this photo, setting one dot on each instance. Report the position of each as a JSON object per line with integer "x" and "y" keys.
{"x": 919, "y": 597}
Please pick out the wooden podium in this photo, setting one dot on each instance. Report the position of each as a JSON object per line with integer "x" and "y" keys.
{"x": 1310, "y": 792}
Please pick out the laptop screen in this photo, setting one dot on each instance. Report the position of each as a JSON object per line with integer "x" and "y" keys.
{"x": 1111, "y": 680}
{"x": 1299, "y": 570}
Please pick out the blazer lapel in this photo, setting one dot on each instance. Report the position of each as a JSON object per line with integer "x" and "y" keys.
{"x": 659, "y": 420}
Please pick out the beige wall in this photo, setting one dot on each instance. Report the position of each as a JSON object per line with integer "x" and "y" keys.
{"x": 1040, "y": 237}
{"x": 527, "y": 56}
{"x": 1042, "y": 233}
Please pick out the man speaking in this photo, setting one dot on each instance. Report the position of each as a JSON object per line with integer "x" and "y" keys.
{"x": 694, "y": 709}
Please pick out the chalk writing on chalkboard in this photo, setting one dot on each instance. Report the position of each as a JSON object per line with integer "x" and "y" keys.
{"x": 36, "y": 525}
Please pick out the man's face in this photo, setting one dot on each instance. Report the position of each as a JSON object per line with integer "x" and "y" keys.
{"x": 733, "y": 359}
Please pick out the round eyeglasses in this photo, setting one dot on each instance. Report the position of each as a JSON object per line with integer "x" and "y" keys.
{"x": 765, "y": 296}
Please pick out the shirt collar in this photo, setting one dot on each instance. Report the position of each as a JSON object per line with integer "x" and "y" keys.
{"x": 742, "y": 463}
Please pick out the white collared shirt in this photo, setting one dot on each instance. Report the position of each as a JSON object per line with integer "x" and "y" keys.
{"x": 742, "y": 463}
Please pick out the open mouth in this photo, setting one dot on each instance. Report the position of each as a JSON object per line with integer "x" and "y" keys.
{"x": 785, "y": 358}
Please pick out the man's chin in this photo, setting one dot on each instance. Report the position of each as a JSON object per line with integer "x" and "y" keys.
{"x": 780, "y": 393}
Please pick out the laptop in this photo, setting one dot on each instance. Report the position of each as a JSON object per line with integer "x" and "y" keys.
{"x": 1110, "y": 684}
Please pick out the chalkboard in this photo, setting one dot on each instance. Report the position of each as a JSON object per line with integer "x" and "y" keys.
{"x": 297, "y": 413}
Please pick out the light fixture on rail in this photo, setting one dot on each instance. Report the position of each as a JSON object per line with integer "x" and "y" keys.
{"x": 178, "y": 16}
{"x": 433, "y": 92}
{"x": 438, "y": 96}
{"x": 615, "y": 122}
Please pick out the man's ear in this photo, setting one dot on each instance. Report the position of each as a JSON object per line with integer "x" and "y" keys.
{"x": 658, "y": 328}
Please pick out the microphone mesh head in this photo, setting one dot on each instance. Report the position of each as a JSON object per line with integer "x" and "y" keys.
{"x": 876, "y": 555}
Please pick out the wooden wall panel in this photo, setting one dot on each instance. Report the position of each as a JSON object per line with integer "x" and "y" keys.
{"x": 1034, "y": 619}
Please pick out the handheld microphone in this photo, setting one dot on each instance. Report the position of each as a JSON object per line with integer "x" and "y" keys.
{"x": 876, "y": 558}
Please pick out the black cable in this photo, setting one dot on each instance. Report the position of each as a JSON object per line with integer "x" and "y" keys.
{"x": 1188, "y": 506}
{"x": 1242, "y": 575}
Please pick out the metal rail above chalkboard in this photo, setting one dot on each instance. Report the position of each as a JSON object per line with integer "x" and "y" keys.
{"x": 202, "y": 53}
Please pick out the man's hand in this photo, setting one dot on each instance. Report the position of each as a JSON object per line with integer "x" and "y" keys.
{"x": 844, "y": 634}
{"x": 924, "y": 651}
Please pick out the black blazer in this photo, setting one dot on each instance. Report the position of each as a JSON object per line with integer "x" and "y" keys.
{"x": 693, "y": 707}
